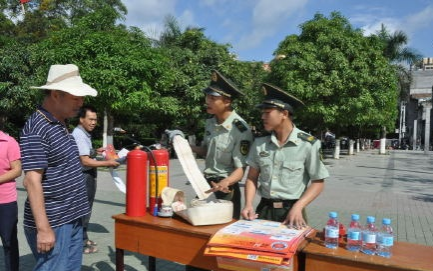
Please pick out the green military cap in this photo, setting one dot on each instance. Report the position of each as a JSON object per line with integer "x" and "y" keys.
{"x": 221, "y": 86}
{"x": 278, "y": 98}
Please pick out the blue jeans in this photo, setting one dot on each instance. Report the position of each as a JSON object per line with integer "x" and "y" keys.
{"x": 8, "y": 235}
{"x": 67, "y": 254}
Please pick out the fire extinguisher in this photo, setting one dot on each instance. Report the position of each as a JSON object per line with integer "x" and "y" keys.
{"x": 158, "y": 177}
{"x": 136, "y": 185}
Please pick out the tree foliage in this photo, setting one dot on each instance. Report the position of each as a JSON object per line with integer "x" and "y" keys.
{"x": 341, "y": 75}
{"x": 346, "y": 79}
{"x": 193, "y": 57}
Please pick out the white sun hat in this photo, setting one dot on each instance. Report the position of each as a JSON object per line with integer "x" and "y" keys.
{"x": 67, "y": 78}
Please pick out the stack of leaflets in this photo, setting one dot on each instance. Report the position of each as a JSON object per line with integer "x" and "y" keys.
{"x": 257, "y": 240}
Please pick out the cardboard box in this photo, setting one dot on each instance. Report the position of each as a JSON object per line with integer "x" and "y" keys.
{"x": 249, "y": 265}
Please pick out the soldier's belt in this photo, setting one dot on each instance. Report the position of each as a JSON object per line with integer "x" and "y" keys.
{"x": 214, "y": 179}
{"x": 278, "y": 203}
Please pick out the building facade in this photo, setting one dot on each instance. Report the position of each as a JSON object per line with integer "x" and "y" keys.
{"x": 416, "y": 112}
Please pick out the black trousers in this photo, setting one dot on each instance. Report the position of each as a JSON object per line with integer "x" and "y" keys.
{"x": 91, "y": 185}
{"x": 8, "y": 234}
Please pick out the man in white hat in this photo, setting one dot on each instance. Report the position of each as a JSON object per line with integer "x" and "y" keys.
{"x": 56, "y": 192}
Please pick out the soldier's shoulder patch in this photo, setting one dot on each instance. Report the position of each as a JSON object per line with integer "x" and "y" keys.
{"x": 307, "y": 137}
{"x": 245, "y": 147}
{"x": 240, "y": 125}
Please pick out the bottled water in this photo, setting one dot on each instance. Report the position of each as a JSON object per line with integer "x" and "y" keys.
{"x": 369, "y": 235}
{"x": 354, "y": 234}
{"x": 332, "y": 230}
{"x": 385, "y": 239}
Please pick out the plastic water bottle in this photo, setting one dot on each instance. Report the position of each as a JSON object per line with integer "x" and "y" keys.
{"x": 385, "y": 239}
{"x": 369, "y": 235}
{"x": 354, "y": 234}
{"x": 332, "y": 230}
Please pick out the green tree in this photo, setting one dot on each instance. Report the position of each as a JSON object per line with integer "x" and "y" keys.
{"x": 343, "y": 78}
{"x": 395, "y": 50}
{"x": 394, "y": 47}
{"x": 121, "y": 64}
{"x": 193, "y": 57}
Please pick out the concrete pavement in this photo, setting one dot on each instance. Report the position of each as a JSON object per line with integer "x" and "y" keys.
{"x": 397, "y": 185}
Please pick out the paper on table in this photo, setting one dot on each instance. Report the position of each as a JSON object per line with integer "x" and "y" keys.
{"x": 190, "y": 167}
{"x": 117, "y": 180}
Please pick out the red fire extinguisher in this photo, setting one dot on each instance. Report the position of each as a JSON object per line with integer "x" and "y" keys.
{"x": 136, "y": 185}
{"x": 158, "y": 177}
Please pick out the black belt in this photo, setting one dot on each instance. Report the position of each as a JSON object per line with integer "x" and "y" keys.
{"x": 278, "y": 203}
{"x": 214, "y": 179}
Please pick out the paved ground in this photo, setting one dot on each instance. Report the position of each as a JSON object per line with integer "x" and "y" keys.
{"x": 397, "y": 185}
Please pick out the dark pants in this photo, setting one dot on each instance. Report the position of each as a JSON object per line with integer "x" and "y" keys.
{"x": 91, "y": 185}
{"x": 276, "y": 210}
{"x": 234, "y": 195}
{"x": 8, "y": 234}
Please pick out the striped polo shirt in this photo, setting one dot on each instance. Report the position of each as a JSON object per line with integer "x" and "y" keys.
{"x": 46, "y": 144}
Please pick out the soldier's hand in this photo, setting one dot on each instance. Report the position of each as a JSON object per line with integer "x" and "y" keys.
{"x": 295, "y": 219}
{"x": 221, "y": 186}
{"x": 249, "y": 213}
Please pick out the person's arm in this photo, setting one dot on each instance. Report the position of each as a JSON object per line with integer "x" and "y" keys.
{"x": 224, "y": 184}
{"x": 295, "y": 217}
{"x": 45, "y": 234}
{"x": 201, "y": 151}
{"x": 248, "y": 211}
{"x": 89, "y": 162}
{"x": 13, "y": 173}
{"x": 239, "y": 154}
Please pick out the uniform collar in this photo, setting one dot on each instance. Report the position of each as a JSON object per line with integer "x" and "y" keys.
{"x": 293, "y": 137}
{"x": 228, "y": 123}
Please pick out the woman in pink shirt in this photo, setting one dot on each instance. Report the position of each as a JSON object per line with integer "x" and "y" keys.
{"x": 10, "y": 168}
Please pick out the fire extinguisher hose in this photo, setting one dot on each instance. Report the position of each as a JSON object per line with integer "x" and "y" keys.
{"x": 155, "y": 208}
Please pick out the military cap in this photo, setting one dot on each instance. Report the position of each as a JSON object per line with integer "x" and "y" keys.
{"x": 221, "y": 86}
{"x": 278, "y": 98}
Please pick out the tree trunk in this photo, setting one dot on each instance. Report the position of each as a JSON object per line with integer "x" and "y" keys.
{"x": 382, "y": 148}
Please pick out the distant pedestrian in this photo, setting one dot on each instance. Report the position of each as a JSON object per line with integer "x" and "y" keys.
{"x": 56, "y": 191}
{"x": 87, "y": 122}
{"x": 10, "y": 168}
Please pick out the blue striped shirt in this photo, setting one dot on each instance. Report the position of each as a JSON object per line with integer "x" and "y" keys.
{"x": 46, "y": 144}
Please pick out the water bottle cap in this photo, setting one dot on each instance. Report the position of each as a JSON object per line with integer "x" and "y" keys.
{"x": 355, "y": 217}
{"x": 371, "y": 219}
{"x": 333, "y": 214}
{"x": 386, "y": 221}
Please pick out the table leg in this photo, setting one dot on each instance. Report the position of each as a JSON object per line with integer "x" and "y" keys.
{"x": 152, "y": 263}
{"x": 120, "y": 265}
